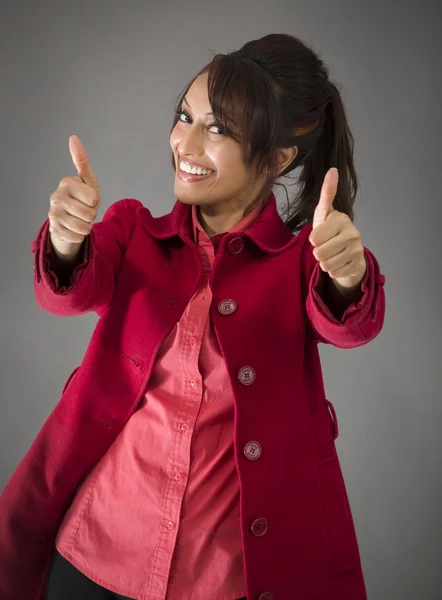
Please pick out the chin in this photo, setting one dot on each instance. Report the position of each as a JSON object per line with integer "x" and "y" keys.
{"x": 185, "y": 199}
{"x": 190, "y": 201}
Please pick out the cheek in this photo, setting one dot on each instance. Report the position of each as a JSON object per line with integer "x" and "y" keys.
{"x": 229, "y": 162}
{"x": 174, "y": 138}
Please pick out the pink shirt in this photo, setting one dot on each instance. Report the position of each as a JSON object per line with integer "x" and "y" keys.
{"x": 157, "y": 518}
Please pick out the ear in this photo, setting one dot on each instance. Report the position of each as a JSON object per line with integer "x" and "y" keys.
{"x": 286, "y": 156}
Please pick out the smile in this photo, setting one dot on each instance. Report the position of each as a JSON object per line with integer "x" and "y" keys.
{"x": 191, "y": 178}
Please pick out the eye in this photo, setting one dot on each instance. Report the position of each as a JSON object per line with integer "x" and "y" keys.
{"x": 183, "y": 112}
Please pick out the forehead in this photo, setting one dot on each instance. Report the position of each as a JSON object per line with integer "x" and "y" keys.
{"x": 198, "y": 91}
{"x": 228, "y": 116}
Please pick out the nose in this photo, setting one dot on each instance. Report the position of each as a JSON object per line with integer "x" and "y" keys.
{"x": 191, "y": 143}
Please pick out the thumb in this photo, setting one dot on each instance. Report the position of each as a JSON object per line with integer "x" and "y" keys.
{"x": 328, "y": 193}
{"x": 81, "y": 162}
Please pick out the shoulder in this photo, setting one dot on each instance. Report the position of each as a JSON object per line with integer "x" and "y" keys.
{"x": 124, "y": 211}
{"x": 127, "y": 207}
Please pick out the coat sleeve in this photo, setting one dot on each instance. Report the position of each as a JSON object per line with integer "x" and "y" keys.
{"x": 91, "y": 284}
{"x": 361, "y": 321}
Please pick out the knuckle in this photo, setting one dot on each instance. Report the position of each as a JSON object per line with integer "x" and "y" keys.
{"x": 54, "y": 198}
{"x": 52, "y": 215}
{"x": 88, "y": 216}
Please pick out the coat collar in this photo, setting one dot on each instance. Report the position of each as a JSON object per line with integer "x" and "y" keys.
{"x": 268, "y": 231}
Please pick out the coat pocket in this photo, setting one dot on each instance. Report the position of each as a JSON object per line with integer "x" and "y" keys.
{"x": 69, "y": 379}
{"x": 325, "y": 430}
{"x": 339, "y": 526}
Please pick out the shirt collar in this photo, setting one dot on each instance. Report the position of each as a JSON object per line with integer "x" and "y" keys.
{"x": 199, "y": 233}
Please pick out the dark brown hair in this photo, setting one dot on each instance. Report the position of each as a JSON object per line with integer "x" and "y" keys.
{"x": 275, "y": 93}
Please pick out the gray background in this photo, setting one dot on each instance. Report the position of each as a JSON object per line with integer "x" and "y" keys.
{"x": 109, "y": 72}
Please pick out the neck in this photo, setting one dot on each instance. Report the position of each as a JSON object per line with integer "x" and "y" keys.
{"x": 213, "y": 221}
{"x": 218, "y": 223}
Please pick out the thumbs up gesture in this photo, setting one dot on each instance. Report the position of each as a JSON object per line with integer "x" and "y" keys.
{"x": 337, "y": 242}
{"x": 74, "y": 204}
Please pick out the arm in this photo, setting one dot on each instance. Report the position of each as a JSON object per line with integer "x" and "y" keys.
{"x": 338, "y": 298}
{"x": 87, "y": 283}
{"x": 345, "y": 319}
{"x": 62, "y": 267}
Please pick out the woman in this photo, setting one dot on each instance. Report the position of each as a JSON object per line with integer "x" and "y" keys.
{"x": 192, "y": 453}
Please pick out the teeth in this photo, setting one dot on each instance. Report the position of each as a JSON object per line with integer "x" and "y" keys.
{"x": 194, "y": 170}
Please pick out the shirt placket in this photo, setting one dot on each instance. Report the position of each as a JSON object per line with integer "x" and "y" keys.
{"x": 191, "y": 330}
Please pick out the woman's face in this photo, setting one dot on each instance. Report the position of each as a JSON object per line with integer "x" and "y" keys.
{"x": 195, "y": 139}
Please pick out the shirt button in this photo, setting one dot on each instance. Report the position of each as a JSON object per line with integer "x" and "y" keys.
{"x": 236, "y": 245}
{"x": 266, "y": 596}
{"x": 193, "y": 382}
{"x": 192, "y": 341}
{"x": 178, "y": 477}
{"x": 227, "y": 307}
{"x": 169, "y": 525}
{"x": 183, "y": 426}
{"x": 246, "y": 375}
{"x": 252, "y": 450}
{"x": 259, "y": 527}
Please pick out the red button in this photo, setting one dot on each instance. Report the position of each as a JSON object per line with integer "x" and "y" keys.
{"x": 183, "y": 427}
{"x": 259, "y": 527}
{"x": 252, "y": 450}
{"x": 266, "y": 596}
{"x": 227, "y": 307}
{"x": 246, "y": 375}
{"x": 236, "y": 245}
{"x": 192, "y": 340}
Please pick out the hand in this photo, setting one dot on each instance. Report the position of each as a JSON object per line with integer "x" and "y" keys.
{"x": 74, "y": 203}
{"x": 337, "y": 242}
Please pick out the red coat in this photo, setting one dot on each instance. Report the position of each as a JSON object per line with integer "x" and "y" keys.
{"x": 139, "y": 274}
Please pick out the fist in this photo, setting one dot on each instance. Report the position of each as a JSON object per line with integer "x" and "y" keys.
{"x": 337, "y": 242}
{"x": 74, "y": 204}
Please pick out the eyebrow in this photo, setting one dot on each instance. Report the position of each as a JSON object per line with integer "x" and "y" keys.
{"x": 184, "y": 99}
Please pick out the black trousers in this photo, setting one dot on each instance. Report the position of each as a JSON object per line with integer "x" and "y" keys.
{"x": 65, "y": 582}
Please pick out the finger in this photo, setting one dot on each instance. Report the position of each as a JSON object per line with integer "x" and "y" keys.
{"x": 69, "y": 227}
{"x": 81, "y": 161}
{"x": 331, "y": 247}
{"x": 81, "y": 208}
{"x": 328, "y": 194}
